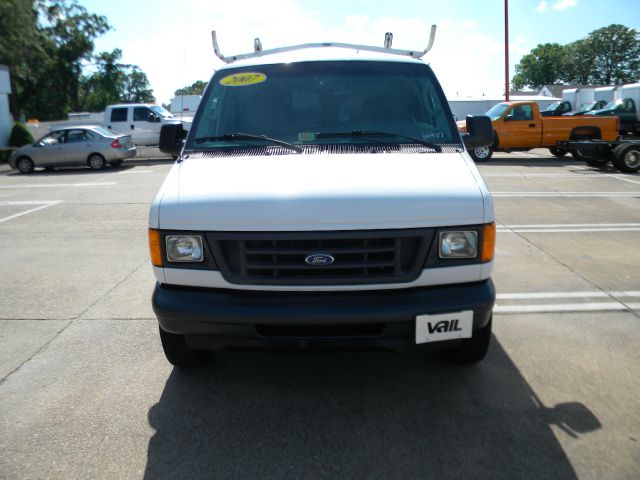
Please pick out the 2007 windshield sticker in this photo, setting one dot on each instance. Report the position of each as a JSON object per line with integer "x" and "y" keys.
{"x": 243, "y": 79}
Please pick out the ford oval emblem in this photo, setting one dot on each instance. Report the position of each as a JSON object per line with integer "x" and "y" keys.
{"x": 319, "y": 259}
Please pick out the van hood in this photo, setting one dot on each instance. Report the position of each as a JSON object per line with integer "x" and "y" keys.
{"x": 321, "y": 192}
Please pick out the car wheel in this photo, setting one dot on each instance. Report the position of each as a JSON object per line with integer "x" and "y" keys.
{"x": 116, "y": 163}
{"x": 25, "y": 165}
{"x": 558, "y": 152}
{"x": 96, "y": 161}
{"x": 471, "y": 350}
{"x": 626, "y": 158}
{"x": 179, "y": 354}
{"x": 481, "y": 154}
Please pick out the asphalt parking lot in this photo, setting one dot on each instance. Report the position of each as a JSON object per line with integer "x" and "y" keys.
{"x": 86, "y": 392}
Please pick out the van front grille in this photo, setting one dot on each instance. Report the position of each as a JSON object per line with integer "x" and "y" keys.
{"x": 285, "y": 258}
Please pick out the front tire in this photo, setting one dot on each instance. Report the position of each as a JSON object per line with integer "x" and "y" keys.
{"x": 179, "y": 354}
{"x": 481, "y": 154}
{"x": 96, "y": 161}
{"x": 471, "y": 350}
{"x": 626, "y": 158}
{"x": 25, "y": 165}
{"x": 558, "y": 152}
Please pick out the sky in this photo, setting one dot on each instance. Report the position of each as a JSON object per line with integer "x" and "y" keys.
{"x": 171, "y": 41}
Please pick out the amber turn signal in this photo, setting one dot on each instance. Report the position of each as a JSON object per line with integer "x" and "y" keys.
{"x": 488, "y": 242}
{"x": 154, "y": 247}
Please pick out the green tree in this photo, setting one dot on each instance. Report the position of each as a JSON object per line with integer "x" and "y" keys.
{"x": 615, "y": 51}
{"x": 104, "y": 87}
{"x": 136, "y": 87}
{"x": 607, "y": 56}
{"x": 543, "y": 66}
{"x": 578, "y": 65}
{"x": 27, "y": 51}
{"x": 197, "y": 88}
{"x": 73, "y": 30}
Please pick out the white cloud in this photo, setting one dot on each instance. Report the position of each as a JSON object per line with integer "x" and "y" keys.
{"x": 542, "y": 7}
{"x": 563, "y": 4}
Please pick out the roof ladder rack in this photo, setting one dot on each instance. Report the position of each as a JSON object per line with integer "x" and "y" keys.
{"x": 388, "y": 39}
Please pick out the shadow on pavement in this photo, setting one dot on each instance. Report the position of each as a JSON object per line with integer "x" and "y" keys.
{"x": 358, "y": 415}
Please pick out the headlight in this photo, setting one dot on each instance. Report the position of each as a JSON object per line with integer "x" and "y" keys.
{"x": 458, "y": 244}
{"x": 184, "y": 248}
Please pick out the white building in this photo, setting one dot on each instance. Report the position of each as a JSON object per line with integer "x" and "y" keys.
{"x": 6, "y": 122}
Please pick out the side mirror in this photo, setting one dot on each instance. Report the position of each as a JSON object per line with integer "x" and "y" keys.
{"x": 171, "y": 138}
{"x": 508, "y": 118}
{"x": 480, "y": 132}
{"x": 153, "y": 118}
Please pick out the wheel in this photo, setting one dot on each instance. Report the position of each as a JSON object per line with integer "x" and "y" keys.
{"x": 481, "y": 154}
{"x": 25, "y": 165}
{"x": 471, "y": 350}
{"x": 96, "y": 161}
{"x": 558, "y": 152}
{"x": 116, "y": 163}
{"x": 626, "y": 157}
{"x": 179, "y": 354}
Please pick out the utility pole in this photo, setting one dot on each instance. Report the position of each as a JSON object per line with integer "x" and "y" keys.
{"x": 506, "y": 50}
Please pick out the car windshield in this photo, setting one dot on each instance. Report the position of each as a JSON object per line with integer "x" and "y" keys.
{"x": 585, "y": 107}
{"x": 160, "y": 111}
{"x": 496, "y": 111}
{"x": 613, "y": 104}
{"x": 311, "y": 103}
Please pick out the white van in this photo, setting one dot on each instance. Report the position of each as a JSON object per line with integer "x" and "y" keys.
{"x": 324, "y": 198}
{"x": 142, "y": 121}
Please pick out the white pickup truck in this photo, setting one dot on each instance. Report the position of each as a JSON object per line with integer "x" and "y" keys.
{"x": 142, "y": 121}
{"x": 324, "y": 198}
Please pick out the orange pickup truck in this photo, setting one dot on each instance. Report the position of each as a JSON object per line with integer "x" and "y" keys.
{"x": 519, "y": 126}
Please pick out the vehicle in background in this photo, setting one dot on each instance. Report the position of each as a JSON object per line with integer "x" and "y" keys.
{"x": 92, "y": 146}
{"x": 185, "y": 103}
{"x": 587, "y": 107}
{"x": 625, "y": 107}
{"x": 519, "y": 126}
{"x": 142, "y": 121}
{"x": 556, "y": 109}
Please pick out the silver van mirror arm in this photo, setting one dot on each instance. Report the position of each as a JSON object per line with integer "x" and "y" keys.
{"x": 258, "y": 51}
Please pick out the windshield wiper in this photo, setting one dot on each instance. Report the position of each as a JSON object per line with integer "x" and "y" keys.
{"x": 249, "y": 136}
{"x": 375, "y": 133}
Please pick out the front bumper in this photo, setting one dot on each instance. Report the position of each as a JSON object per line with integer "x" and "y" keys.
{"x": 222, "y": 319}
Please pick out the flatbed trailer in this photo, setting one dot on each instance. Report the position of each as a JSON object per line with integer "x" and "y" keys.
{"x": 623, "y": 153}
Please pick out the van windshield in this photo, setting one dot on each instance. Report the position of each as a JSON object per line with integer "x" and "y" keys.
{"x": 305, "y": 103}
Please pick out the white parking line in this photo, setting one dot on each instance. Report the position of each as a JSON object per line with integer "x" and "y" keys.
{"x": 56, "y": 185}
{"x": 41, "y": 205}
{"x": 565, "y": 307}
{"x": 586, "y": 294}
{"x": 570, "y": 228}
{"x": 616, "y": 302}
{"x": 566, "y": 194}
{"x": 625, "y": 179}
{"x": 545, "y": 175}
